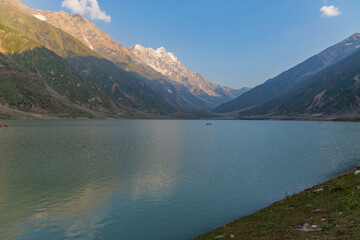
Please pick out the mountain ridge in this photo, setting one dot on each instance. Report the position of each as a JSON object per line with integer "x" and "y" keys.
{"x": 293, "y": 77}
{"x": 334, "y": 92}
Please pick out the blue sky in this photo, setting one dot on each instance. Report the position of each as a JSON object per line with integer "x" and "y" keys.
{"x": 231, "y": 42}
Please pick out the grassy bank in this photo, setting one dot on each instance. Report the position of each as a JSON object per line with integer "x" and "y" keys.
{"x": 330, "y": 210}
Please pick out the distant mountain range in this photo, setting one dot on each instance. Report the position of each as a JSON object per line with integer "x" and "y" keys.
{"x": 324, "y": 86}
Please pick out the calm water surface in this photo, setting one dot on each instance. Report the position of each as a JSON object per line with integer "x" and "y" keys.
{"x": 158, "y": 180}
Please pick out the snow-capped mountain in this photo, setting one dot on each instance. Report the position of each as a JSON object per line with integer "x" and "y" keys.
{"x": 170, "y": 66}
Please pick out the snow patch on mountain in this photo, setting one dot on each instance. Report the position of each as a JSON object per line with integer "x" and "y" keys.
{"x": 40, "y": 17}
{"x": 88, "y": 42}
{"x": 170, "y": 66}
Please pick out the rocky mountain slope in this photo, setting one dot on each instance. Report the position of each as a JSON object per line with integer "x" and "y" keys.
{"x": 170, "y": 66}
{"x": 182, "y": 86}
{"x": 64, "y": 64}
{"x": 294, "y": 77}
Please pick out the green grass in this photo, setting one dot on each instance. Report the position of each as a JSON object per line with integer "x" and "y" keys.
{"x": 338, "y": 217}
{"x": 11, "y": 41}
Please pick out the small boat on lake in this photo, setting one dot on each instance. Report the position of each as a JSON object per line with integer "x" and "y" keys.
{"x": 3, "y": 126}
{"x": 208, "y": 124}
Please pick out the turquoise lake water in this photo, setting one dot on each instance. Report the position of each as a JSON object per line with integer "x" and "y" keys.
{"x": 157, "y": 179}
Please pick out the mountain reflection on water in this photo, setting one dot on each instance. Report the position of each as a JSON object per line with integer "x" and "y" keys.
{"x": 157, "y": 179}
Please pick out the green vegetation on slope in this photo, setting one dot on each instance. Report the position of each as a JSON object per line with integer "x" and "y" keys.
{"x": 62, "y": 78}
{"x": 56, "y": 73}
{"x": 334, "y": 207}
{"x": 12, "y": 42}
{"x": 16, "y": 92}
{"x": 50, "y": 37}
{"x": 121, "y": 86}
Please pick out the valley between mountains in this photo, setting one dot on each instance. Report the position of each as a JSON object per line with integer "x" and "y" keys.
{"x": 58, "y": 65}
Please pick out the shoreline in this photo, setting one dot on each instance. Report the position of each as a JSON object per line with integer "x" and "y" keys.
{"x": 7, "y": 114}
{"x": 305, "y": 119}
{"x": 329, "y": 210}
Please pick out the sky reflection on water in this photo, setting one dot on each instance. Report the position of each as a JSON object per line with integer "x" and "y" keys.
{"x": 157, "y": 179}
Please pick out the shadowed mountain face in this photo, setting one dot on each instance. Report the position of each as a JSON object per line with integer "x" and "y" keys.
{"x": 73, "y": 73}
{"x": 334, "y": 92}
{"x": 24, "y": 95}
{"x": 173, "y": 81}
{"x": 44, "y": 77}
{"x": 55, "y": 72}
{"x": 15, "y": 92}
{"x": 121, "y": 86}
{"x": 64, "y": 80}
{"x": 294, "y": 77}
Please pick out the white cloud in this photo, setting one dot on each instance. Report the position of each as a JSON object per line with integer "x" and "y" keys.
{"x": 87, "y": 7}
{"x": 330, "y": 11}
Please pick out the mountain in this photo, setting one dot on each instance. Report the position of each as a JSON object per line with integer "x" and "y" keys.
{"x": 64, "y": 63}
{"x": 182, "y": 87}
{"x": 16, "y": 93}
{"x": 294, "y": 77}
{"x": 40, "y": 76}
{"x": 86, "y": 32}
{"x": 333, "y": 93}
{"x": 170, "y": 66}
{"x": 26, "y": 95}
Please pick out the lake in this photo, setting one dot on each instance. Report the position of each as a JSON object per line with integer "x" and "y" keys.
{"x": 158, "y": 179}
